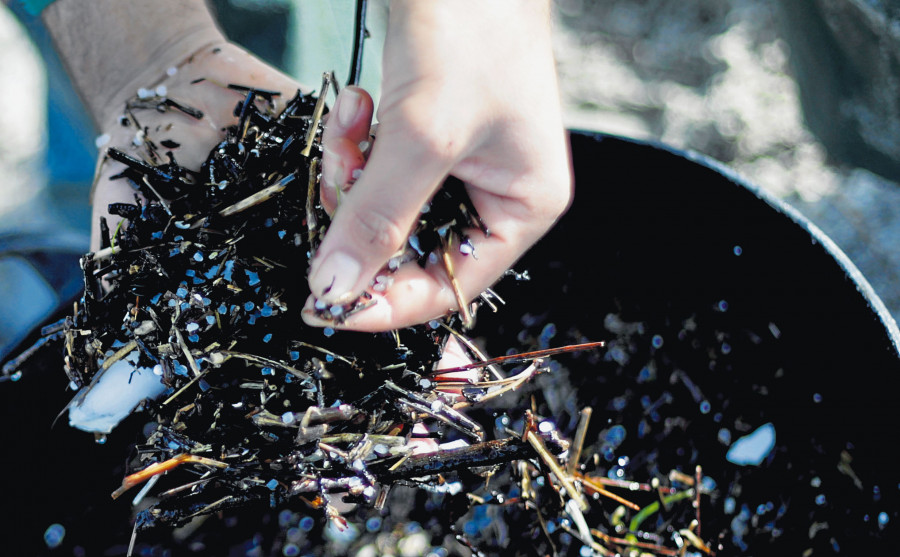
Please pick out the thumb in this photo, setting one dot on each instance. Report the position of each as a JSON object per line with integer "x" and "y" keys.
{"x": 375, "y": 217}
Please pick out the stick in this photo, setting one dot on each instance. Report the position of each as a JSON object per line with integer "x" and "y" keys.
{"x": 578, "y": 444}
{"x": 525, "y": 356}
{"x": 317, "y": 115}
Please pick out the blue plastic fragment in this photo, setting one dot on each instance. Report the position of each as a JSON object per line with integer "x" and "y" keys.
{"x": 180, "y": 369}
{"x": 53, "y": 535}
{"x": 547, "y": 333}
{"x": 229, "y": 267}
{"x": 752, "y": 449}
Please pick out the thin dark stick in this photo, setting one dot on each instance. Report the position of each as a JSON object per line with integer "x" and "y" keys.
{"x": 524, "y": 357}
{"x": 479, "y": 454}
{"x": 359, "y": 35}
{"x": 698, "y": 479}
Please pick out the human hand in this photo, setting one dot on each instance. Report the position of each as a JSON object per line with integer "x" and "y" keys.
{"x": 189, "y": 139}
{"x": 469, "y": 89}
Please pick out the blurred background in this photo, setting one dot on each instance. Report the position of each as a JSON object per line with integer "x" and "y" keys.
{"x": 802, "y": 97}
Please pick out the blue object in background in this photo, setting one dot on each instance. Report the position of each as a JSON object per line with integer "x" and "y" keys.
{"x": 752, "y": 449}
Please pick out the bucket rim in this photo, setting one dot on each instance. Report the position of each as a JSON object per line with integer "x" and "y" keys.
{"x": 817, "y": 235}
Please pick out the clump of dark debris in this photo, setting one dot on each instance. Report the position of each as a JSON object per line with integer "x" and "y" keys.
{"x": 197, "y": 295}
{"x": 201, "y": 286}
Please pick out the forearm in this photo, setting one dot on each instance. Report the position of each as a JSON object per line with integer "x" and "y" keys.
{"x": 113, "y": 47}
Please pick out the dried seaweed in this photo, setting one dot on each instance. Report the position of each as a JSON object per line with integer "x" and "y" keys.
{"x": 202, "y": 284}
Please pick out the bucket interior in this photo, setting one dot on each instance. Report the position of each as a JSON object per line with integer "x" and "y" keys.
{"x": 724, "y": 311}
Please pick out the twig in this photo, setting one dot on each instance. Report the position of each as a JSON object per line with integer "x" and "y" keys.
{"x": 662, "y": 550}
{"x": 465, "y": 312}
{"x": 478, "y": 454}
{"x": 164, "y": 466}
{"x": 312, "y": 222}
{"x": 525, "y": 356}
{"x": 465, "y": 341}
{"x": 596, "y": 488}
{"x": 121, "y": 353}
{"x": 261, "y": 196}
{"x": 578, "y": 443}
{"x": 263, "y": 361}
{"x": 698, "y": 481}
{"x": 550, "y": 460}
{"x": 317, "y": 115}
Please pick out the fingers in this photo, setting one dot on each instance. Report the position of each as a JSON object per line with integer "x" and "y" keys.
{"x": 417, "y": 295}
{"x": 345, "y": 138}
{"x": 351, "y": 117}
{"x": 342, "y": 165}
{"x": 375, "y": 217}
{"x": 374, "y": 220}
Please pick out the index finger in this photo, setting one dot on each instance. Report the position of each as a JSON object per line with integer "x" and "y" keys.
{"x": 375, "y": 216}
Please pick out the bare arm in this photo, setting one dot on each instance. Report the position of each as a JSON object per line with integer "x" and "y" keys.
{"x": 112, "y": 47}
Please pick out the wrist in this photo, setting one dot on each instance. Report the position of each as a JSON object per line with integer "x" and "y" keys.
{"x": 113, "y": 47}
{"x": 108, "y": 106}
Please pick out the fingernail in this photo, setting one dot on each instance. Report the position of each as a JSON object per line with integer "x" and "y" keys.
{"x": 332, "y": 168}
{"x": 309, "y": 316}
{"x": 347, "y": 107}
{"x": 334, "y": 278}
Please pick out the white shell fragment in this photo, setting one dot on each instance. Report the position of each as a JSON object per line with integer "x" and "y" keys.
{"x": 113, "y": 395}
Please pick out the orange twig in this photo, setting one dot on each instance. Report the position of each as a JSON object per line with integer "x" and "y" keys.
{"x": 159, "y": 467}
{"x": 525, "y": 356}
{"x": 662, "y": 550}
{"x": 629, "y": 485}
{"x": 597, "y": 488}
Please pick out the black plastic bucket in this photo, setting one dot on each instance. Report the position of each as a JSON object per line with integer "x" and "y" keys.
{"x": 724, "y": 311}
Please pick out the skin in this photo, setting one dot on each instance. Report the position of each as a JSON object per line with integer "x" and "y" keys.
{"x": 475, "y": 97}
{"x": 471, "y": 96}
{"x": 170, "y": 34}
